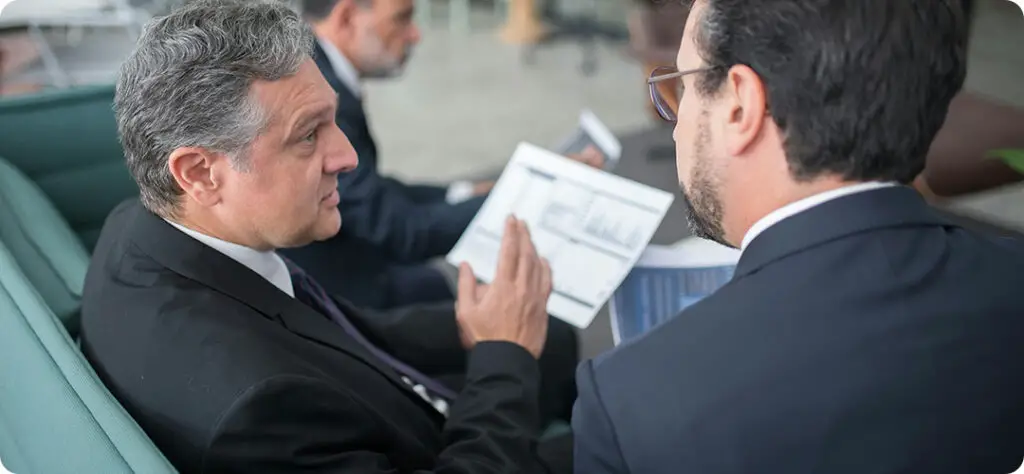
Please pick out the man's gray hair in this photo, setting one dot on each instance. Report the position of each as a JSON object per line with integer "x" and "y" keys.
{"x": 188, "y": 82}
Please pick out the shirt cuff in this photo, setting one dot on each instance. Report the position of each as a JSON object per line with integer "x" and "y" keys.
{"x": 459, "y": 191}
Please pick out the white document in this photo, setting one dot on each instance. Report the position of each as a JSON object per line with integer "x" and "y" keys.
{"x": 665, "y": 281}
{"x": 591, "y": 226}
{"x": 591, "y": 131}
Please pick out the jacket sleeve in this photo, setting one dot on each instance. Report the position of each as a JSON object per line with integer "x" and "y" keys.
{"x": 379, "y": 212}
{"x": 419, "y": 193}
{"x": 425, "y": 336}
{"x": 289, "y": 424}
{"x": 597, "y": 448}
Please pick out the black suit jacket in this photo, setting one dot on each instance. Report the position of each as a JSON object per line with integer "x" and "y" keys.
{"x": 228, "y": 374}
{"x": 384, "y": 221}
{"x": 865, "y": 335}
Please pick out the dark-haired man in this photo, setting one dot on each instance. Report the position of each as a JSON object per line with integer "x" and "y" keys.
{"x": 861, "y": 332}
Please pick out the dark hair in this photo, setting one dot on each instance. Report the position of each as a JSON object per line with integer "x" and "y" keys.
{"x": 316, "y": 10}
{"x": 858, "y": 88}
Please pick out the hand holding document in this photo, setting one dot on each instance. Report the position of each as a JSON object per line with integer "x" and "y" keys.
{"x": 665, "y": 281}
{"x": 590, "y": 225}
{"x": 591, "y": 132}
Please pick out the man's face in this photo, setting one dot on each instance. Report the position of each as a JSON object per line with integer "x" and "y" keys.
{"x": 385, "y": 36}
{"x": 285, "y": 194}
{"x": 700, "y": 174}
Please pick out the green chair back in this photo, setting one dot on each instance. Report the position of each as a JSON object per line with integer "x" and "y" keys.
{"x": 46, "y": 249}
{"x": 55, "y": 414}
{"x": 66, "y": 142}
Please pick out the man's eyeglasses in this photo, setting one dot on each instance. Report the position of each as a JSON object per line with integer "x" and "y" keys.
{"x": 666, "y": 99}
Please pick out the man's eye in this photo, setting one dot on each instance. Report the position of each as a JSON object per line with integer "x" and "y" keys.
{"x": 310, "y": 137}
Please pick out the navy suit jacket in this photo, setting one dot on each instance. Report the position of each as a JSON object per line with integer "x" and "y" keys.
{"x": 385, "y": 223}
{"x": 863, "y": 335}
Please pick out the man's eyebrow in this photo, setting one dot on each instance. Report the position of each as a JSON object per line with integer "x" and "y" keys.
{"x": 404, "y": 14}
{"x": 320, "y": 113}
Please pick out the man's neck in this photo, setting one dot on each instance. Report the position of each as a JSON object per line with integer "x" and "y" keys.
{"x": 218, "y": 232}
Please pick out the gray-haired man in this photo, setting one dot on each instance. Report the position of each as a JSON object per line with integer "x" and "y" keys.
{"x": 234, "y": 359}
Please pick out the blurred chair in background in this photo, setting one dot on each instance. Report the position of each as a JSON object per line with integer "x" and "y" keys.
{"x": 959, "y": 162}
{"x": 65, "y": 141}
{"x": 36, "y": 18}
{"x": 533, "y": 24}
{"x": 655, "y": 30}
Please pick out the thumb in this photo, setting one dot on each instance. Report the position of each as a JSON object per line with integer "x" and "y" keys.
{"x": 467, "y": 283}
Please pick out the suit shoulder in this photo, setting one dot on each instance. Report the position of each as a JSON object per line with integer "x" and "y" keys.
{"x": 171, "y": 320}
{"x": 679, "y": 335}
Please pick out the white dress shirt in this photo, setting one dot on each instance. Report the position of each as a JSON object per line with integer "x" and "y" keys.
{"x": 458, "y": 191}
{"x": 804, "y": 204}
{"x": 268, "y": 265}
{"x": 271, "y": 267}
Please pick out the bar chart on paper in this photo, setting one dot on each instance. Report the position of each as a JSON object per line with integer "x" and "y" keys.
{"x": 590, "y": 225}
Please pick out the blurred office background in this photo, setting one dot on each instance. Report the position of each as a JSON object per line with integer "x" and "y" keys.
{"x": 467, "y": 96}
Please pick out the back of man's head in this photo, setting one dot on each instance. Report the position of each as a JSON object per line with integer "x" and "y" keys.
{"x": 316, "y": 10}
{"x": 790, "y": 98}
{"x": 187, "y": 84}
{"x": 858, "y": 88}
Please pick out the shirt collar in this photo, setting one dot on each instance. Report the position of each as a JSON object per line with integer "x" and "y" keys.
{"x": 802, "y": 205}
{"x": 342, "y": 67}
{"x": 268, "y": 265}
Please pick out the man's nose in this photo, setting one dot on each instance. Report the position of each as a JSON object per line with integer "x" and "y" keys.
{"x": 414, "y": 35}
{"x": 342, "y": 157}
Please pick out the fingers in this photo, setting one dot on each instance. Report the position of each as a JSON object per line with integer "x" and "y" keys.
{"x": 528, "y": 266}
{"x": 546, "y": 281}
{"x": 593, "y": 156}
{"x": 467, "y": 283}
{"x": 508, "y": 256}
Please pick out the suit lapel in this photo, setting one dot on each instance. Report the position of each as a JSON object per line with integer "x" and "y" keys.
{"x": 313, "y": 326}
{"x": 324, "y": 64}
{"x": 198, "y": 262}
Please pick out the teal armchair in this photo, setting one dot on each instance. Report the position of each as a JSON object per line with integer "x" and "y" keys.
{"x": 66, "y": 142}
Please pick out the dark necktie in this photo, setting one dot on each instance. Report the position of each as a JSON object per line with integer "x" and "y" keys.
{"x": 310, "y": 292}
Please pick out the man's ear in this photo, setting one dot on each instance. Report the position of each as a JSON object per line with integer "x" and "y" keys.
{"x": 746, "y": 102}
{"x": 343, "y": 13}
{"x": 196, "y": 170}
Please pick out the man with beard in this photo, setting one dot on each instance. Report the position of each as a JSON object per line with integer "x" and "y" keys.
{"x": 382, "y": 257}
{"x": 861, "y": 332}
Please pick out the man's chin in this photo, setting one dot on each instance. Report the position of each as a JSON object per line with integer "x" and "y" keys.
{"x": 324, "y": 229}
{"x": 328, "y": 227}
